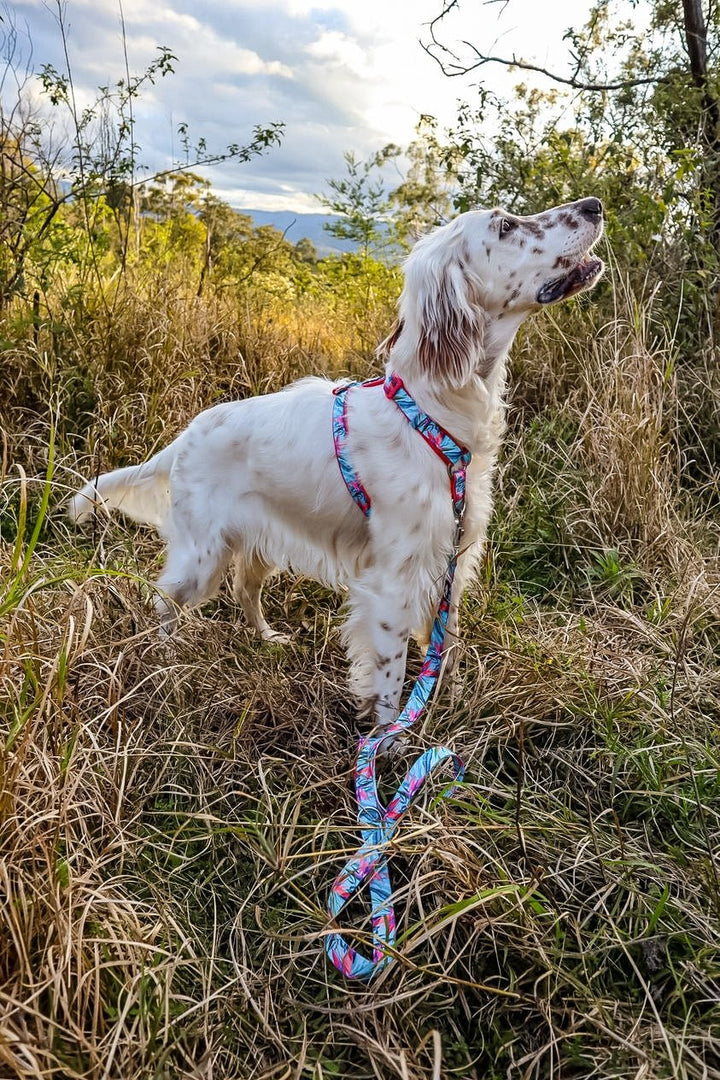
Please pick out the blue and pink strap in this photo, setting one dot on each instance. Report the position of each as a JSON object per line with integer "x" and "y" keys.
{"x": 377, "y": 822}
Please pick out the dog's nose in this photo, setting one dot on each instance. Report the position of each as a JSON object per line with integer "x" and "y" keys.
{"x": 591, "y": 208}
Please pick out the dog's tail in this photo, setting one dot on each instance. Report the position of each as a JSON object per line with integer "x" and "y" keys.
{"x": 142, "y": 492}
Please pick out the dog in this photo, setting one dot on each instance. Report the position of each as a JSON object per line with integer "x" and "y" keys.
{"x": 255, "y": 484}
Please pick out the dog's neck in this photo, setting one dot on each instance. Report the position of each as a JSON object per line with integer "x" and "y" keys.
{"x": 468, "y": 411}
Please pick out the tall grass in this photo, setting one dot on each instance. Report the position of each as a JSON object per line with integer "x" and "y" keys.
{"x": 170, "y": 821}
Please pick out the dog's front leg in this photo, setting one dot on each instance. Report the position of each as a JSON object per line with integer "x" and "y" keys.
{"x": 376, "y": 637}
{"x": 389, "y": 659}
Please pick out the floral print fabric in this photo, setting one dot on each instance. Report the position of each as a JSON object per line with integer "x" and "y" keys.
{"x": 379, "y": 823}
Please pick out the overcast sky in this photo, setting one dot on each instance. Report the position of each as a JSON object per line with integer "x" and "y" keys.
{"x": 341, "y": 74}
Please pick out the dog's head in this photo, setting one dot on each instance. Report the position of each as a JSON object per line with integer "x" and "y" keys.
{"x": 470, "y": 283}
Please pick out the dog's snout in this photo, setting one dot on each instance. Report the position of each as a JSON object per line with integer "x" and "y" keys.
{"x": 591, "y": 208}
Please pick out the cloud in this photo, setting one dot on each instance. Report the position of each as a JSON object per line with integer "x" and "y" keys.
{"x": 338, "y": 51}
{"x": 341, "y": 74}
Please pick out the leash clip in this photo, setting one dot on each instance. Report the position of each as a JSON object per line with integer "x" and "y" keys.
{"x": 457, "y": 471}
{"x": 458, "y": 536}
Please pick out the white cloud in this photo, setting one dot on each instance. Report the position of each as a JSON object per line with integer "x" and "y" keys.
{"x": 337, "y": 50}
{"x": 342, "y": 74}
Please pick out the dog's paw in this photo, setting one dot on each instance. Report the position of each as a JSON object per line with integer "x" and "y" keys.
{"x": 275, "y": 637}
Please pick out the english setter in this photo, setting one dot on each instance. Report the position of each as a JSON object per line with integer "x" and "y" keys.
{"x": 255, "y": 483}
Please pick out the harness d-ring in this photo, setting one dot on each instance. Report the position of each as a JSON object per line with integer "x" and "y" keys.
{"x": 378, "y": 823}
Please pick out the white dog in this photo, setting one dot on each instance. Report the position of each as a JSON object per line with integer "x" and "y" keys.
{"x": 255, "y": 483}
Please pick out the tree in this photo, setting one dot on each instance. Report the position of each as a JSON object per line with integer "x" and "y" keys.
{"x": 657, "y": 88}
{"x": 96, "y": 172}
{"x": 424, "y": 197}
{"x": 306, "y": 252}
{"x": 361, "y": 203}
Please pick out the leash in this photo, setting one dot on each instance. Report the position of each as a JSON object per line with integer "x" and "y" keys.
{"x": 378, "y": 823}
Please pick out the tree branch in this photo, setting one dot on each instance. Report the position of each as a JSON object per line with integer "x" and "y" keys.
{"x": 458, "y": 67}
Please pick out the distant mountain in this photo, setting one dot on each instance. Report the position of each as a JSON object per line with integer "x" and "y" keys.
{"x": 296, "y": 226}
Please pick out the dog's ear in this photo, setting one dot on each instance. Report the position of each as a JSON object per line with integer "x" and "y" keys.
{"x": 450, "y": 321}
{"x": 384, "y": 348}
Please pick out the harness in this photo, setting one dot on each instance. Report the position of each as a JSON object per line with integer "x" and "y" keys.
{"x": 378, "y": 823}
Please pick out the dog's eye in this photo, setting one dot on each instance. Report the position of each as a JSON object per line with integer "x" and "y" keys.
{"x": 506, "y": 226}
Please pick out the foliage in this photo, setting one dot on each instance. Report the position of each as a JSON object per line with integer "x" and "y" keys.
{"x": 360, "y": 201}
{"x": 93, "y": 177}
{"x": 385, "y": 220}
{"x": 170, "y": 821}
{"x": 424, "y": 197}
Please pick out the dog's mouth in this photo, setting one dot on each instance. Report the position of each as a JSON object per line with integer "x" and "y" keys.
{"x": 582, "y": 276}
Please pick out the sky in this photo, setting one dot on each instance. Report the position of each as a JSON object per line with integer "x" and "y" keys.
{"x": 343, "y": 75}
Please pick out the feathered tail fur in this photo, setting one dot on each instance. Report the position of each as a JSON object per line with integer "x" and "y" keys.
{"x": 141, "y": 492}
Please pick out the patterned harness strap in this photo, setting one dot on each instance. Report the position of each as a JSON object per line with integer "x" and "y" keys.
{"x": 379, "y": 823}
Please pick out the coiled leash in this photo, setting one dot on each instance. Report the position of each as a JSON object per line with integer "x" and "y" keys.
{"x": 379, "y": 823}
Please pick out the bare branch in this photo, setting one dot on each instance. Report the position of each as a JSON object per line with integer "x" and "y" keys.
{"x": 440, "y": 54}
{"x": 452, "y": 70}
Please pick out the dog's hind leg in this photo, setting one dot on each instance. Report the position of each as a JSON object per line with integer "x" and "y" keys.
{"x": 191, "y": 576}
{"x": 249, "y": 573}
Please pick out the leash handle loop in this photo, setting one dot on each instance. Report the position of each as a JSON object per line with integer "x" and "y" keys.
{"x": 371, "y": 861}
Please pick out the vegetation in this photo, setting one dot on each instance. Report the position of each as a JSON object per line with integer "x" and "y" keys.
{"x": 171, "y": 819}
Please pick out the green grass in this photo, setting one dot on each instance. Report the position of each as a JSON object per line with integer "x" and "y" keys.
{"x": 171, "y": 819}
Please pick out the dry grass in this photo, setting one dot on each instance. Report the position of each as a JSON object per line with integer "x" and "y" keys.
{"x": 170, "y": 821}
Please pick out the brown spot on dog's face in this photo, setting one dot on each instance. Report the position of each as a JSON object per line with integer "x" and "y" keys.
{"x": 534, "y": 227}
{"x": 548, "y": 218}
